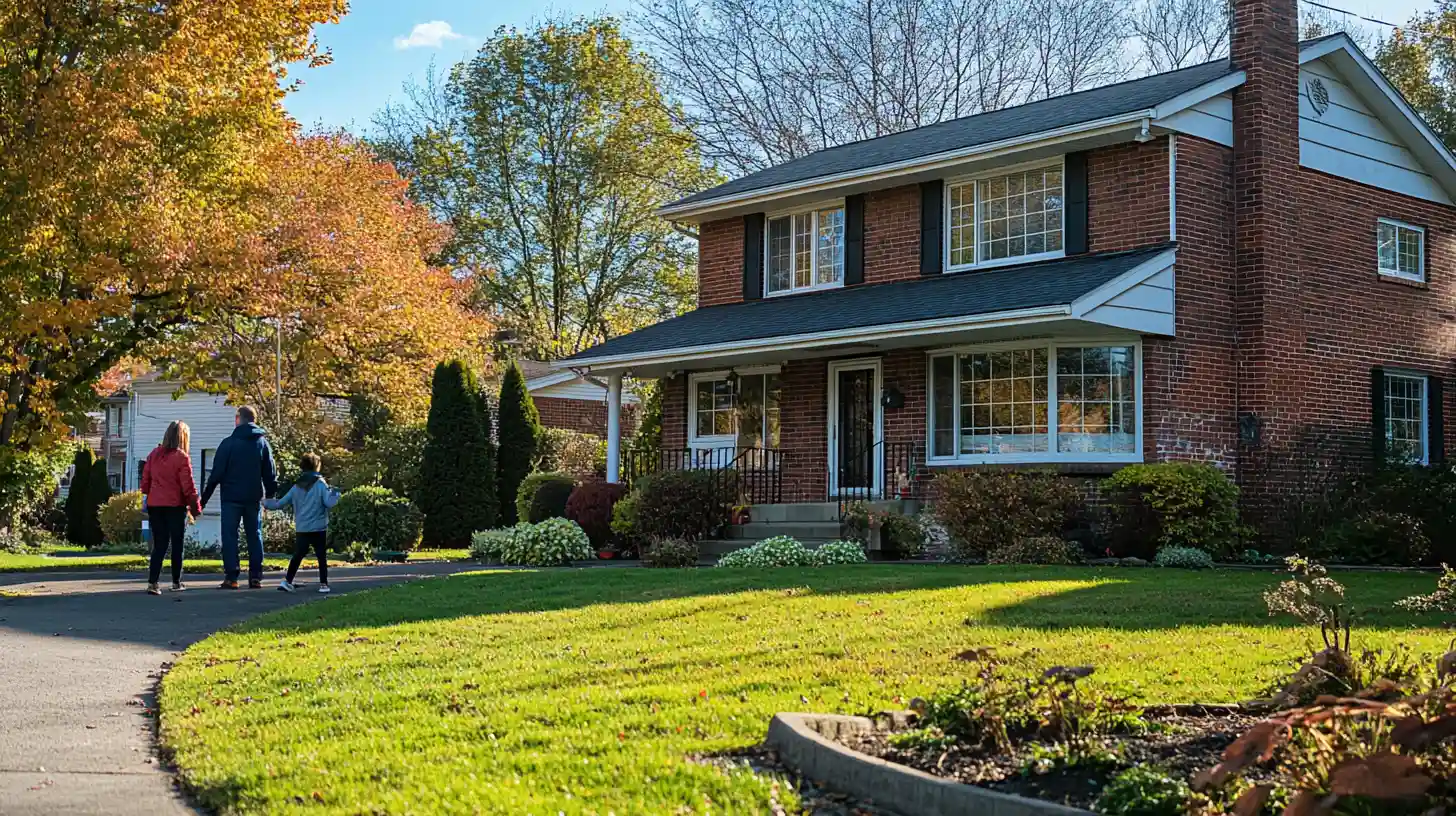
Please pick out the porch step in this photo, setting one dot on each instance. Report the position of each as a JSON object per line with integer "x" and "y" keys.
{"x": 802, "y": 530}
{"x": 822, "y": 512}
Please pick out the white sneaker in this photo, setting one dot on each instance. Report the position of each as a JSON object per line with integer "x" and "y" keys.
{"x": 323, "y": 589}
{"x": 285, "y": 586}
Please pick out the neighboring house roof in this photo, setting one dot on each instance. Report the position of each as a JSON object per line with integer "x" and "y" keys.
{"x": 544, "y": 381}
{"x": 1136, "y": 95}
{"x": 1012, "y": 291}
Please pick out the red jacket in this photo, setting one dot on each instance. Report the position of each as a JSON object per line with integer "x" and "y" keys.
{"x": 167, "y": 480}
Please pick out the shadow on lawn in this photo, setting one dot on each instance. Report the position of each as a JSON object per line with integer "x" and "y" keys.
{"x": 1126, "y": 599}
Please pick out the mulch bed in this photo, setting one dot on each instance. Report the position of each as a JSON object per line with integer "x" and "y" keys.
{"x": 1185, "y": 740}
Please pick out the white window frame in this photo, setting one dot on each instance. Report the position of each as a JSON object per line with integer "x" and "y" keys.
{"x": 719, "y": 440}
{"x": 1420, "y": 276}
{"x": 1050, "y": 455}
{"x": 977, "y": 178}
{"x": 813, "y": 213}
{"x": 1425, "y": 410}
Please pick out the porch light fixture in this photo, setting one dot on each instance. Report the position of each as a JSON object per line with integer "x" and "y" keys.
{"x": 733, "y": 380}
{"x": 892, "y": 399}
{"x": 1250, "y": 429}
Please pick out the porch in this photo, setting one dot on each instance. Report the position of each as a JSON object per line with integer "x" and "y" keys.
{"x": 863, "y": 393}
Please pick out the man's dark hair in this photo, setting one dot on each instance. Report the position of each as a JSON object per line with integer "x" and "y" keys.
{"x": 247, "y": 414}
{"x": 310, "y": 461}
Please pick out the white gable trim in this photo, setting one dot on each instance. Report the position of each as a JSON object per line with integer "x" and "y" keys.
{"x": 1140, "y": 299}
{"x": 1388, "y": 106}
{"x": 568, "y": 385}
{"x": 548, "y": 380}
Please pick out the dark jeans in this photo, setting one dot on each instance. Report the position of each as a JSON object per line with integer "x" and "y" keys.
{"x": 302, "y": 543}
{"x": 169, "y": 527}
{"x": 251, "y": 517}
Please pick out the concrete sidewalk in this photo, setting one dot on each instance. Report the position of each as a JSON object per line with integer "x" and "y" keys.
{"x": 80, "y": 654}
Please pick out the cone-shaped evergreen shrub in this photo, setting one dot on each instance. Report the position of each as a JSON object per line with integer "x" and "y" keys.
{"x": 76, "y": 499}
{"x": 98, "y": 493}
{"x": 519, "y": 435}
{"x": 457, "y": 476}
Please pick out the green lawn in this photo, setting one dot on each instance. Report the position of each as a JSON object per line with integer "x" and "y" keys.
{"x": 76, "y": 558}
{"x": 587, "y": 691}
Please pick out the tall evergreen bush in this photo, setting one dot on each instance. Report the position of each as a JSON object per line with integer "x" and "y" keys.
{"x": 98, "y": 493}
{"x": 457, "y": 476}
{"x": 76, "y": 500}
{"x": 520, "y": 439}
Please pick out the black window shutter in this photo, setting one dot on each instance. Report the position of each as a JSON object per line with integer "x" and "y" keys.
{"x": 1074, "y": 201}
{"x": 1436, "y": 420}
{"x": 753, "y": 256}
{"x": 932, "y": 217}
{"x": 1377, "y": 415}
{"x": 854, "y": 211}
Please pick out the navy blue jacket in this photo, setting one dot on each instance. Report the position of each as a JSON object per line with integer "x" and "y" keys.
{"x": 243, "y": 468}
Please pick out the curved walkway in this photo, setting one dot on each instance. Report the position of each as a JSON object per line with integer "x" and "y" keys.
{"x": 80, "y": 654}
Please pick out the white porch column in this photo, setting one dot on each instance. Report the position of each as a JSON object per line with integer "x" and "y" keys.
{"x": 614, "y": 428}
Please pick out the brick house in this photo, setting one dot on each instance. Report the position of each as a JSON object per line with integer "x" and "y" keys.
{"x": 571, "y": 401}
{"x": 1244, "y": 262}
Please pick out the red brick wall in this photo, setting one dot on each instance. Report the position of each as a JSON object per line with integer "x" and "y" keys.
{"x": 674, "y": 412}
{"x": 720, "y": 262}
{"x": 892, "y": 234}
{"x": 1127, "y": 196}
{"x": 582, "y": 415}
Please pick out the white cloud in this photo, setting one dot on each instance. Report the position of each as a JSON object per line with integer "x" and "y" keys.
{"x": 428, "y": 35}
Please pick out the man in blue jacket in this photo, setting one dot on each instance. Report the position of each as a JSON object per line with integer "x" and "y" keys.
{"x": 244, "y": 469}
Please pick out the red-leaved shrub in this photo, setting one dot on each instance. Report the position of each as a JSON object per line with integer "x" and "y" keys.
{"x": 590, "y": 506}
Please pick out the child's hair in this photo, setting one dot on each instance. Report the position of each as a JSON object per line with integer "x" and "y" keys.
{"x": 310, "y": 461}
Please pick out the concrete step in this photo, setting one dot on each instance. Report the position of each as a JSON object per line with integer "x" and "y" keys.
{"x": 759, "y": 530}
{"x": 819, "y": 511}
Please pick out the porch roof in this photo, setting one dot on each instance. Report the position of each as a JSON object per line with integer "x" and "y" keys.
{"x": 1093, "y": 289}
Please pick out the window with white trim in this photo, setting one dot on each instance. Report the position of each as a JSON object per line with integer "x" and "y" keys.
{"x": 1035, "y": 402}
{"x": 1405, "y": 417}
{"x": 1005, "y": 216}
{"x": 1401, "y": 249}
{"x": 805, "y": 251}
{"x": 745, "y": 415}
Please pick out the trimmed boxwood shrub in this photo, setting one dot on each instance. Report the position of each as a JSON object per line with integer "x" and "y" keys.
{"x": 550, "y": 500}
{"x": 374, "y": 516}
{"x": 670, "y": 553}
{"x": 984, "y": 510}
{"x": 591, "y": 506}
{"x": 121, "y": 518}
{"x": 1172, "y": 504}
{"x": 526, "y": 494}
{"x": 686, "y": 504}
{"x": 1183, "y": 558}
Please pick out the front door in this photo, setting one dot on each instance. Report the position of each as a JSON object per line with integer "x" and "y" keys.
{"x": 854, "y": 429}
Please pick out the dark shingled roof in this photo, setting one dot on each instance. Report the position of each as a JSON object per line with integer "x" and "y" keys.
{"x": 1050, "y": 283}
{"x": 984, "y": 128}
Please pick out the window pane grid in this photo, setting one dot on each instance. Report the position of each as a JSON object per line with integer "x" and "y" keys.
{"x": 963, "y": 224}
{"x": 1020, "y": 213}
{"x": 1398, "y": 249}
{"x": 1405, "y": 417}
{"x": 1004, "y": 402}
{"x": 751, "y": 415}
{"x": 805, "y": 250}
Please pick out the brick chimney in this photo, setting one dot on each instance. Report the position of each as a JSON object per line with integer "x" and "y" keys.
{"x": 1270, "y": 337}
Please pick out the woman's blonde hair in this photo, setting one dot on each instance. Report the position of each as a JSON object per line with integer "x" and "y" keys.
{"x": 177, "y": 437}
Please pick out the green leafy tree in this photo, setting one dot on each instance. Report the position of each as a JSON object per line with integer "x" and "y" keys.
{"x": 649, "y": 430}
{"x": 549, "y": 153}
{"x": 1420, "y": 60}
{"x": 520, "y": 439}
{"x": 76, "y": 498}
{"x": 457, "y": 476}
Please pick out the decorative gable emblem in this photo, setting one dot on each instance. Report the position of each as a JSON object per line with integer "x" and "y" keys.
{"x": 1319, "y": 96}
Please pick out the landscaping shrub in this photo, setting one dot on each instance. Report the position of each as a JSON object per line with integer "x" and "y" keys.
{"x": 526, "y": 493}
{"x": 549, "y": 500}
{"x": 688, "y": 504}
{"x": 553, "y": 542}
{"x": 1376, "y": 537}
{"x": 591, "y": 505}
{"x": 121, "y": 518}
{"x": 519, "y": 433}
{"x": 78, "y": 502}
{"x": 670, "y": 552}
{"x": 901, "y": 536}
{"x": 983, "y": 510}
{"x": 839, "y": 552}
{"x": 278, "y": 532}
{"x": 779, "y": 551}
{"x": 28, "y": 483}
{"x": 1144, "y": 791}
{"x": 374, "y": 516}
{"x": 98, "y": 493}
{"x": 457, "y": 475}
{"x": 489, "y": 543}
{"x": 1172, "y": 504}
{"x": 1183, "y": 558}
{"x": 1036, "y": 550}
{"x": 624, "y": 516}
{"x": 13, "y": 541}
{"x": 567, "y": 451}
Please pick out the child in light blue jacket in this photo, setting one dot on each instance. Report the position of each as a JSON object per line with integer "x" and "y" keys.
{"x": 311, "y": 499}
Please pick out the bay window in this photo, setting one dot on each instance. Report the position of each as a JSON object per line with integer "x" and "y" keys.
{"x": 1035, "y": 402}
{"x": 734, "y": 412}
{"x": 1005, "y": 216}
{"x": 805, "y": 251}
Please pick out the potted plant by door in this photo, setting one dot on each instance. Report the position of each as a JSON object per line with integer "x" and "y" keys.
{"x": 741, "y": 514}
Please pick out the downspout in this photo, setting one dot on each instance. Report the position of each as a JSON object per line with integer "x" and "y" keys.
{"x": 1172, "y": 186}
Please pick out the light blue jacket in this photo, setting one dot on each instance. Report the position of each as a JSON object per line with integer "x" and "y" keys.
{"x": 310, "y": 504}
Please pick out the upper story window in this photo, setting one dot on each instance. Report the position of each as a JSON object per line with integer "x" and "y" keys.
{"x": 1005, "y": 216}
{"x": 1401, "y": 249}
{"x": 805, "y": 251}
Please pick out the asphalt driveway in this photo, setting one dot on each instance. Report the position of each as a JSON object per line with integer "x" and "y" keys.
{"x": 80, "y": 654}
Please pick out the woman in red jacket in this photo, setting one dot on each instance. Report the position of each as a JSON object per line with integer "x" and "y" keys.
{"x": 171, "y": 501}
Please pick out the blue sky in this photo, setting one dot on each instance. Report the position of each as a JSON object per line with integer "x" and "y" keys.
{"x": 382, "y": 43}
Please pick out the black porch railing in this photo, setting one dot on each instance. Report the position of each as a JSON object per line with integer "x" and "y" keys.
{"x": 746, "y": 475}
{"x": 873, "y": 471}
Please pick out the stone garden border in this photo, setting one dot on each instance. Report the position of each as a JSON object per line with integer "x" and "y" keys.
{"x": 807, "y": 744}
